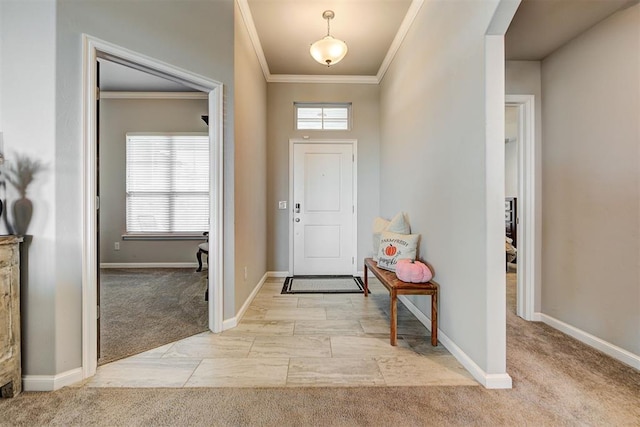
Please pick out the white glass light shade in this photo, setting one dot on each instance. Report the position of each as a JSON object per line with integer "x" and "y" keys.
{"x": 328, "y": 51}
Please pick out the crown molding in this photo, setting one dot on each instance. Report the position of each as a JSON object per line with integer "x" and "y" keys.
{"x": 411, "y": 15}
{"x": 153, "y": 95}
{"x": 247, "y": 18}
{"x": 299, "y": 78}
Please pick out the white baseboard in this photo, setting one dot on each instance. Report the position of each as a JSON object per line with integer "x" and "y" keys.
{"x": 233, "y": 322}
{"x": 492, "y": 381}
{"x": 150, "y": 265}
{"x": 607, "y": 348}
{"x": 51, "y": 382}
{"x": 278, "y": 274}
{"x": 229, "y": 323}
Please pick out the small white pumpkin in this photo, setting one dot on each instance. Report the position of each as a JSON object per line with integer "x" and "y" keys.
{"x": 413, "y": 271}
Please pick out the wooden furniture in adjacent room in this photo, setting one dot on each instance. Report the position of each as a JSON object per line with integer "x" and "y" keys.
{"x": 10, "y": 366}
{"x": 511, "y": 219}
{"x": 397, "y": 287}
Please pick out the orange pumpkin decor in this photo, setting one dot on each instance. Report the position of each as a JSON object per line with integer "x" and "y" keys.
{"x": 390, "y": 250}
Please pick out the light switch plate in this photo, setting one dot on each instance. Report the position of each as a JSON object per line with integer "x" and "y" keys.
{"x": 282, "y": 204}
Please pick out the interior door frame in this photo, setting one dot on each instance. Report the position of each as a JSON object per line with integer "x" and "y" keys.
{"x": 94, "y": 48}
{"x": 528, "y": 244}
{"x": 354, "y": 145}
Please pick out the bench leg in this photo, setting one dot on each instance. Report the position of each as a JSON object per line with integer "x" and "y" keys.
{"x": 393, "y": 333}
{"x": 434, "y": 319}
{"x": 366, "y": 281}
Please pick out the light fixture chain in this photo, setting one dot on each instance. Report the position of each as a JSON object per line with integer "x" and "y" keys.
{"x": 328, "y": 26}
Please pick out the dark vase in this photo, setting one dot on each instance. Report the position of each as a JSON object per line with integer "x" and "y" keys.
{"x": 22, "y": 211}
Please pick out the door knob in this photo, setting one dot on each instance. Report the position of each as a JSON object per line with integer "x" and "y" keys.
{"x": 297, "y": 220}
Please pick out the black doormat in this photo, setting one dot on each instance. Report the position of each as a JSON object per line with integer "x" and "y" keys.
{"x": 323, "y": 285}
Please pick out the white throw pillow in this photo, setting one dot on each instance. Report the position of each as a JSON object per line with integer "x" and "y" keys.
{"x": 394, "y": 246}
{"x": 379, "y": 225}
{"x": 398, "y": 224}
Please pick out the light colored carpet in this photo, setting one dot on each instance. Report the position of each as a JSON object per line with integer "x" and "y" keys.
{"x": 556, "y": 381}
{"x": 141, "y": 309}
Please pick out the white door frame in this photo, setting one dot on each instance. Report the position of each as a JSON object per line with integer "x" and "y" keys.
{"x": 94, "y": 48}
{"x": 526, "y": 205}
{"x": 354, "y": 144}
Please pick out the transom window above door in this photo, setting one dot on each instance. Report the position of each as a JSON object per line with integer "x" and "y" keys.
{"x": 322, "y": 116}
{"x": 167, "y": 188}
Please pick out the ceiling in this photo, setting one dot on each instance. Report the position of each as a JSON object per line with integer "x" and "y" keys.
{"x": 539, "y": 27}
{"x": 283, "y": 30}
{"x": 287, "y": 28}
{"x": 119, "y": 78}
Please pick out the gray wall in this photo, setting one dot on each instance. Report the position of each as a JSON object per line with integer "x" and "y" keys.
{"x": 591, "y": 183}
{"x": 193, "y": 35}
{"x": 117, "y": 117}
{"x": 251, "y": 166}
{"x": 28, "y": 93}
{"x": 365, "y": 129}
{"x": 433, "y": 145}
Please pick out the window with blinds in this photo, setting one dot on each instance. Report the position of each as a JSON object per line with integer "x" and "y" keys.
{"x": 167, "y": 187}
{"x": 323, "y": 116}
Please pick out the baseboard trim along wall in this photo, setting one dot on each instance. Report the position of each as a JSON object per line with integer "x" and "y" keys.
{"x": 151, "y": 265}
{"x": 607, "y": 348}
{"x": 491, "y": 381}
{"x": 51, "y": 382}
{"x": 278, "y": 274}
{"x": 233, "y": 322}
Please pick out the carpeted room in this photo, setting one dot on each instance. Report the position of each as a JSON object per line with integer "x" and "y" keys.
{"x": 141, "y": 309}
{"x": 150, "y": 292}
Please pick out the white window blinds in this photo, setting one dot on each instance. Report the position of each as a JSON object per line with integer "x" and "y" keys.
{"x": 322, "y": 116}
{"x": 167, "y": 184}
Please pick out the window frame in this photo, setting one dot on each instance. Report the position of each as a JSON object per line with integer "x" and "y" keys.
{"x": 347, "y": 105}
{"x": 159, "y": 235}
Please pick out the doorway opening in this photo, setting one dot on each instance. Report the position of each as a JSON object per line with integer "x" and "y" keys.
{"x": 522, "y": 183}
{"x": 511, "y": 119}
{"x": 93, "y": 49}
{"x": 153, "y": 169}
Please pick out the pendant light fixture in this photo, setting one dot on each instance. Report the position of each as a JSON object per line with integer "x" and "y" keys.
{"x": 328, "y": 50}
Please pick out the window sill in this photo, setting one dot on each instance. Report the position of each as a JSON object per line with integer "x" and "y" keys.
{"x": 154, "y": 236}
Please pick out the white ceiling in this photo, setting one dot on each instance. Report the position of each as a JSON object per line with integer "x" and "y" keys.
{"x": 119, "y": 78}
{"x": 283, "y": 30}
{"x": 287, "y": 28}
{"x": 542, "y": 26}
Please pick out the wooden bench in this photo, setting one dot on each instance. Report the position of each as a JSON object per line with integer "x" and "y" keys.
{"x": 398, "y": 287}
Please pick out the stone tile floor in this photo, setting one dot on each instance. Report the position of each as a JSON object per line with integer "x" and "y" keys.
{"x": 297, "y": 340}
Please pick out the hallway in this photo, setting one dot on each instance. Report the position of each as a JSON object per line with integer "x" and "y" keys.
{"x": 330, "y": 340}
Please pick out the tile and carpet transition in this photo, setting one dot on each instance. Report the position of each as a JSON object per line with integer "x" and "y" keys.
{"x": 141, "y": 309}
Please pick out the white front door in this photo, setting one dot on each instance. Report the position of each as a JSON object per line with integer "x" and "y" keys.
{"x": 323, "y": 209}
